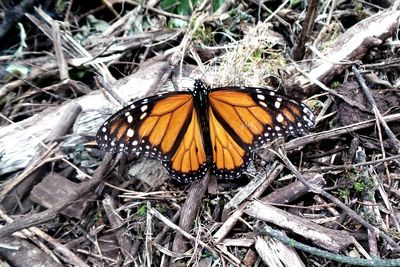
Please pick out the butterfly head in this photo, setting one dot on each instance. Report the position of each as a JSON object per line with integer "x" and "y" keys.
{"x": 200, "y": 92}
{"x": 200, "y": 87}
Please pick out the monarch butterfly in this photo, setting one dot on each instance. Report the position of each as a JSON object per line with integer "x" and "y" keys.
{"x": 192, "y": 131}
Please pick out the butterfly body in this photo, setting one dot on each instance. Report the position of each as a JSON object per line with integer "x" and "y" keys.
{"x": 205, "y": 128}
{"x": 200, "y": 95}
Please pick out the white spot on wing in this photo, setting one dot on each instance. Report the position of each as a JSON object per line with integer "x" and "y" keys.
{"x": 130, "y": 133}
{"x": 261, "y": 97}
{"x": 143, "y": 108}
{"x": 279, "y": 118}
{"x": 130, "y": 119}
{"x": 143, "y": 115}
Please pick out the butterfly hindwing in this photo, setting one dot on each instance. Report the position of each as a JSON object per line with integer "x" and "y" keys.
{"x": 189, "y": 162}
{"x": 230, "y": 158}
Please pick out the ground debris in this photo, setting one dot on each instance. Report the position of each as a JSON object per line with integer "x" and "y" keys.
{"x": 331, "y": 194}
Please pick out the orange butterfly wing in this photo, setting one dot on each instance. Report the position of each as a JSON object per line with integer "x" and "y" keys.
{"x": 244, "y": 118}
{"x": 165, "y": 127}
{"x": 189, "y": 161}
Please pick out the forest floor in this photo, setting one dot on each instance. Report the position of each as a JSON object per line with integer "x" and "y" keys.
{"x": 327, "y": 198}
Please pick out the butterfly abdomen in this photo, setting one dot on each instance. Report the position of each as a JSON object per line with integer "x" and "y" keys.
{"x": 200, "y": 94}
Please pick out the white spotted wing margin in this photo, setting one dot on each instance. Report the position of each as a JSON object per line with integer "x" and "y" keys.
{"x": 284, "y": 116}
{"x": 125, "y": 131}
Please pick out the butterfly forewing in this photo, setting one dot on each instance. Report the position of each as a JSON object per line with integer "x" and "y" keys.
{"x": 254, "y": 116}
{"x": 152, "y": 126}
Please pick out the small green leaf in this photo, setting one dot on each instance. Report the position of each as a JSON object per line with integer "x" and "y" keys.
{"x": 344, "y": 193}
{"x": 61, "y": 6}
{"x": 359, "y": 187}
{"x": 294, "y": 3}
{"x": 336, "y": 84}
{"x": 141, "y": 212}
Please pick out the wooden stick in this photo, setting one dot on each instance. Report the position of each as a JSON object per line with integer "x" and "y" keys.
{"x": 333, "y": 199}
{"x": 47, "y": 215}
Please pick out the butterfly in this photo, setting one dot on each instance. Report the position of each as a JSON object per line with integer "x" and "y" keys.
{"x": 197, "y": 130}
